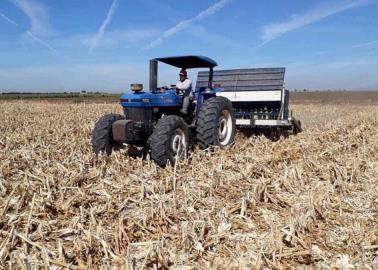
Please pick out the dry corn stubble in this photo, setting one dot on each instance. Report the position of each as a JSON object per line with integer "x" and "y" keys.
{"x": 307, "y": 201}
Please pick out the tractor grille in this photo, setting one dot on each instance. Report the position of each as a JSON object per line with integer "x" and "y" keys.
{"x": 138, "y": 114}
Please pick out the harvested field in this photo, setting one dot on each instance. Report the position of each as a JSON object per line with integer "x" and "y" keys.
{"x": 334, "y": 97}
{"x": 309, "y": 201}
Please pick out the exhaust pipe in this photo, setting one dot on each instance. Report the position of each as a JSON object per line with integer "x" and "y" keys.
{"x": 153, "y": 74}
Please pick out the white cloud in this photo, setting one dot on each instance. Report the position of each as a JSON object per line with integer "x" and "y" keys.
{"x": 7, "y": 19}
{"x": 365, "y": 44}
{"x": 186, "y": 23}
{"x": 75, "y": 77}
{"x": 347, "y": 63}
{"x": 104, "y": 25}
{"x": 117, "y": 77}
{"x": 275, "y": 30}
{"x": 91, "y": 77}
{"x": 37, "y": 14}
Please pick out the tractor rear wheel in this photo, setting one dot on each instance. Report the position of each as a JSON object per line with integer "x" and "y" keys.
{"x": 169, "y": 140}
{"x": 102, "y": 136}
{"x": 216, "y": 123}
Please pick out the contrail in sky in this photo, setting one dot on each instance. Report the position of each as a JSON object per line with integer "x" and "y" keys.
{"x": 41, "y": 42}
{"x": 186, "y": 23}
{"x": 105, "y": 23}
{"x": 2, "y": 15}
{"x": 37, "y": 13}
{"x": 366, "y": 44}
{"x": 29, "y": 33}
{"x": 275, "y": 30}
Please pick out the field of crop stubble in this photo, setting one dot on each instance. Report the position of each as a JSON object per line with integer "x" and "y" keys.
{"x": 309, "y": 201}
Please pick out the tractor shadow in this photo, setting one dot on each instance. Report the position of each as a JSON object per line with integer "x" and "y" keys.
{"x": 272, "y": 134}
{"x": 136, "y": 152}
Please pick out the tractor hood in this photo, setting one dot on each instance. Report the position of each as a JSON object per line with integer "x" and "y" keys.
{"x": 158, "y": 99}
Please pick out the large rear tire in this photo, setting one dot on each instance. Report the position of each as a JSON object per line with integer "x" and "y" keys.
{"x": 216, "y": 123}
{"x": 169, "y": 140}
{"x": 102, "y": 136}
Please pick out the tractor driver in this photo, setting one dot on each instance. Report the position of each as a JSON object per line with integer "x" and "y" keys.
{"x": 184, "y": 89}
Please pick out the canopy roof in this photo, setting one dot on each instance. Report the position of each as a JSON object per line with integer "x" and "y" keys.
{"x": 190, "y": 61}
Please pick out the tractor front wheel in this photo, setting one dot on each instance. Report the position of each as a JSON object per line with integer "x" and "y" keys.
{"x": 216, "y": 123}
{"x": 102, "y": 136}
{"x": 169, "y": 140}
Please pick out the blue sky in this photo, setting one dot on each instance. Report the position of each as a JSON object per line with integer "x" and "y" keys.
{"x": 49, "y": 45}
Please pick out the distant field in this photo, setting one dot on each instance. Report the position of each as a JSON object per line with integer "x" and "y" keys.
{"x": 332, "y": 97}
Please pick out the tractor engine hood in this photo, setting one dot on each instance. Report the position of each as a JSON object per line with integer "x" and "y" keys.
{"x": 159, "y": 99}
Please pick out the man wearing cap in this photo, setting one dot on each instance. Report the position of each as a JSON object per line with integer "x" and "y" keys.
{"x": 184, "y": 89}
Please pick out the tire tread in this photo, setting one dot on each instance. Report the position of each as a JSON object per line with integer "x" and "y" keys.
{"x": 207, "y": 121}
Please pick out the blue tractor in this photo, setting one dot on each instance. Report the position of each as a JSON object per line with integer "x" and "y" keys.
{"x": 153, "y": 120}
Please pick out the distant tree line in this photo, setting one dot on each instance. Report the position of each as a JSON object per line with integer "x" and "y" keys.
{"x": 37, "y": 95}
{"x": 326, "y": 90}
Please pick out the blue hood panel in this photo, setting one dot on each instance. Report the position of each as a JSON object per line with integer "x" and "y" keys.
{"x": 159, "y": 99}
